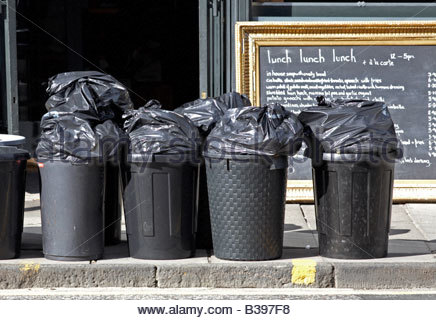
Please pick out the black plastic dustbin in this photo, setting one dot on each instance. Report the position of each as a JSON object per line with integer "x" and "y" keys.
{"x": 71, "y": 209}
{"x": 13, "y": 182}
{"x": 353, "y": 202}
{"x": 247, "y": 203}
{"x": 160, "y": 206}
{"x": 112, "y": 204}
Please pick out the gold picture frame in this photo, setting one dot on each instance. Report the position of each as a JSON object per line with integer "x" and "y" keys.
{"x": 250, "y": 36}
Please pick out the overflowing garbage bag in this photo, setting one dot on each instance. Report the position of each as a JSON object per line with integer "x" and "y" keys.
{"x": 89, "y": 92}
{"x": 78, "y": 138}
{"x": 205, "y": 113}
{"x": 270, "y": 130}
{"x": 156, "y": 131}
{"x": 351, "y": 126}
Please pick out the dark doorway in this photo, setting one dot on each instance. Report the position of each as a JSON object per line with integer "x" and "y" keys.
{"x": 150, "y": 46}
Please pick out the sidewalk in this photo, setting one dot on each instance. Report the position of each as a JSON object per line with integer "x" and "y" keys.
{"x": 411, "y": 262}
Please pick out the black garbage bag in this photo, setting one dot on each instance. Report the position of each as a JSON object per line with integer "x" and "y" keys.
{"x": 351, "y": 126}
{"x": 205, "y": 113}
{"x": 152, "y": 130}
{"x": 112, "y": 140}
{"x": 89, "y": 92}
{"x": 74, "y": 138}
{"x": 234, "y": 100}
{"x": 270, "y": 130}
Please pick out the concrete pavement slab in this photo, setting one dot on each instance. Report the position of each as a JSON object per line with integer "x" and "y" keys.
{"x": 405, "y": 238}
{"x": 32, "y": 213}
{"x": 406, "y": 242}
{"x": 308, "y": 212}
{"x": 297, "y": 233}
{"x": 424, "y": 217}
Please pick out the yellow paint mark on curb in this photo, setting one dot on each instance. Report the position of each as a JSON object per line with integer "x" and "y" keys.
{"x": 303, "y": 271}
{"x": 30, "y": 267}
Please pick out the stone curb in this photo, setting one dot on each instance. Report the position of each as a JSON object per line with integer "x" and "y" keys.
{"x": 221, "y": 275}
{"x": 244, "y": 275}
{"x": 76, "y": 276}
{"x": 385, "y": 275}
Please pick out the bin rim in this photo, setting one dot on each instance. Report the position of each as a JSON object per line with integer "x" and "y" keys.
{"x": 274, "y": 162}
{"x": 9, "y": 153}
{"x": 181, "y": 157}
{"x": 88, "y": 161}
{"x": 11, "y": 140}
{"x": 363, "y": 156}
{"x": 236, "y": 156}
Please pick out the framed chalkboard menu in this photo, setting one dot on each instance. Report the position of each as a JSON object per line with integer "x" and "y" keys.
{"x": 394, "y": 62}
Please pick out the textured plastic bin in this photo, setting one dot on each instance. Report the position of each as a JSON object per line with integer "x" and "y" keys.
{"x": 247, "y": 204}
{"x": 112, "y": 204}
{"x": 160, "y": 205}
{"x": 353, "y": 202}
{"x": 71, "y": 210}
{"x": 204, "y": 229}
{"x": 13, "y": 181}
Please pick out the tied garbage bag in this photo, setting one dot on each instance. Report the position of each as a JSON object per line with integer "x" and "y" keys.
{"x": 270, "y": 130}
{"x": 155, "y": 131}
{"x": 205, "y": 113}
{"x": 74, "y": 138}
{"x": 351, "y": 126}
{"x": 89, "y": 92}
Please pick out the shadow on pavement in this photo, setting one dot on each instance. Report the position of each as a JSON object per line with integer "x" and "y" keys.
{"x": 290, "y": 227}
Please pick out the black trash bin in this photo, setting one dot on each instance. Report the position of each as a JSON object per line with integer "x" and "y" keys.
{"x": 12, "y": 190}
{"x": 160, "y": 204}
{"x": 160, "y": 177}
{"x": 246, "y": 164}
{"x": 247, "y": 203}
{"x": 353, "y": 147}
{"x": 80, "y": 133}
{"x": 72, "y": 153}
{"x": 353, "y": 202}
{"x": 71, "y": 210}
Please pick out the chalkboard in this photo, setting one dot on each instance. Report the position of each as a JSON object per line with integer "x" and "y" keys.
{"x": 402, "y": 76}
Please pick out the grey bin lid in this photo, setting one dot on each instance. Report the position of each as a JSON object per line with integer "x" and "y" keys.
{"x": 12, "y": 153}
{"x": 11, "y": 140}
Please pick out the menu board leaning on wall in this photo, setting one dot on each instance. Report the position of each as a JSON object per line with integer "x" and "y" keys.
{"x": 293, "y": 63}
